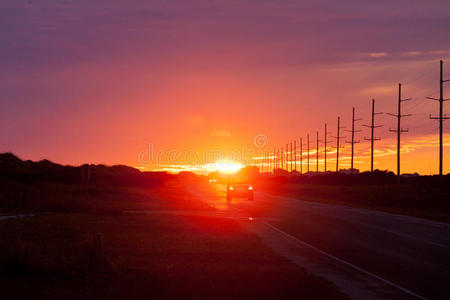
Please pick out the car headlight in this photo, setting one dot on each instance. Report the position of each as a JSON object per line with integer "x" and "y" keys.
{"x": 231, "y": 188}
{"x": 250, "y": 188}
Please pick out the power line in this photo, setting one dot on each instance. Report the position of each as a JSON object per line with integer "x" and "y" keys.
{"x": 419, "y": 76}
{"x": 417, "y": 104}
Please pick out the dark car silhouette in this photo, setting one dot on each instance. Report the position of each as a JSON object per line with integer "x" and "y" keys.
{"x": 239, "y": 190}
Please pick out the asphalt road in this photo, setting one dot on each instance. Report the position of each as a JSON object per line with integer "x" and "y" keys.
{"x": 410, "y": 252}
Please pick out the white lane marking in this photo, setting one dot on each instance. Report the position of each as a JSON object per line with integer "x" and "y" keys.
{"x": 17, "y": 216}
{"x": 343, "y": 261}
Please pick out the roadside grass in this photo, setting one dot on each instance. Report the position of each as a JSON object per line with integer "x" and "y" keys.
{"x": 146, "y": 256}
{"x": 415, "y": 200}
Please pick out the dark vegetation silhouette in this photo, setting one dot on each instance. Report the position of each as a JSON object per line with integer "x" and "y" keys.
{"x": 364, "y": 178}
{"x": 29, "y": 172}
{"x": 421, "y": 196}
{"x": 47, "y": 186}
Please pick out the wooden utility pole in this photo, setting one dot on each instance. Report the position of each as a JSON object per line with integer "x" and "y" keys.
{"x": 307, "y": 157}
{"x": 278, "y": 159}
{"x": 301, "y": 155}
{"x": 295, "y": 155}
{"x": 291, "y": 157}
{"x": 325, "y": 149}
{"x": 281, "y": 157}
{"x": 274, "y": 161}
{"x": 287, "y": 158}
{"x": 441, "y": 117}
{"x": 266, "y": 162}
{"x": 338, "y": 138}
{"x": 269, "y": 157}
{"x": 399, "y": 130}
{"x": 317, "y": 152}
{"x": 372, "y": 137}
{"x": 353, "y": 142}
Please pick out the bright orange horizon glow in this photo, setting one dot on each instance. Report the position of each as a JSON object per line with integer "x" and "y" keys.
{"x": 418, "y": 154}
{"x": 225, "y": 166}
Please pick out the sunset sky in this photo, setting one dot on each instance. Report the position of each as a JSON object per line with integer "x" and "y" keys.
{"x": 157, "y": 84}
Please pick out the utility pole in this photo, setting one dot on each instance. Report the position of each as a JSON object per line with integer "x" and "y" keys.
{"x": 441, "y": 117}
{"x": 307, "y": 157}
{"x": 372, "y": 137}
{"x": 325, "y": 149}
{"x": 278, "y": 159}
{"x": 282, "y": 158}
{"x": 261, "y": 162}
{"x": 272, "y": 165}
{"x": 291, "y": 157}
{"x": 353, "y": 142}
{"x": 399, "y": 129}
{"x": 317, "y": 151}
{"x": 275, "y": 165}
{"x": 269, "y": 159}
{"x": 266, "y": 162}
{"x": 274, "y": 160}
{"x": 301, "y": 155}
{"x": 295, "y": 155}
{"x": 338, "y": 138}
{"x": 287, "y": 158}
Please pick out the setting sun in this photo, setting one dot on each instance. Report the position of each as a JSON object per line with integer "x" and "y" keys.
{"x": 225, "y": 166}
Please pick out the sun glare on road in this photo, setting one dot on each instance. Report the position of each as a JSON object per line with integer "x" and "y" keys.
{"x": 225, "y": 166}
